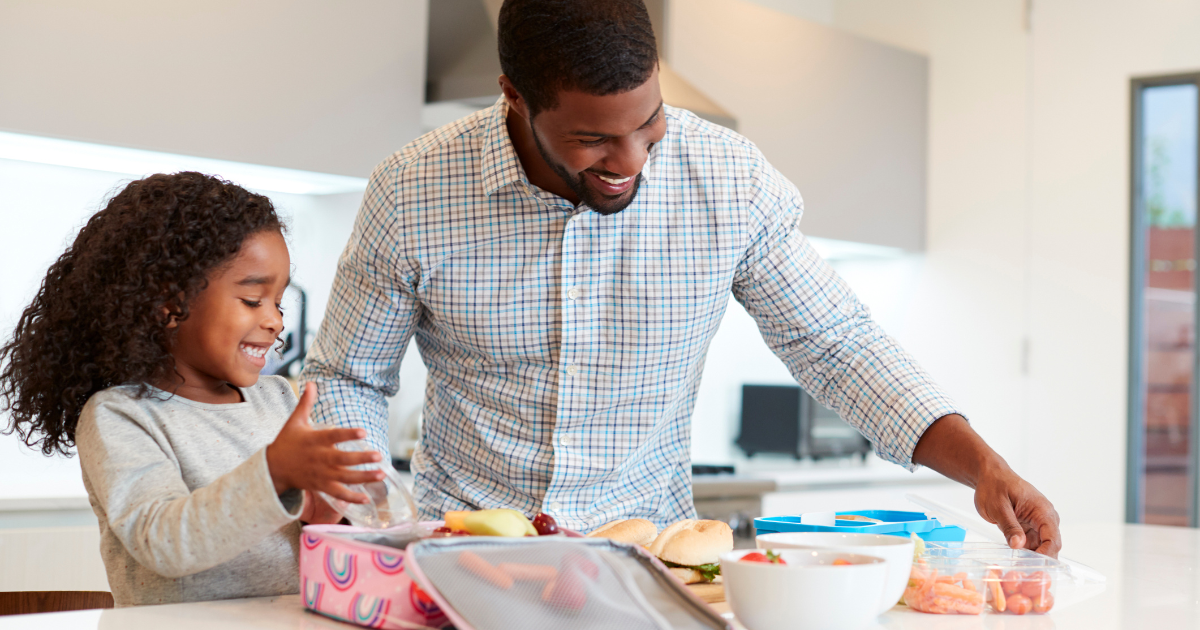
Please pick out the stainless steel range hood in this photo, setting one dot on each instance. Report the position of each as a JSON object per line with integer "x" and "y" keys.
{"x": 462, "y": 66}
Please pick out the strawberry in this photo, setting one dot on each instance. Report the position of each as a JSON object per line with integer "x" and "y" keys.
{"x": 770, "y": 557}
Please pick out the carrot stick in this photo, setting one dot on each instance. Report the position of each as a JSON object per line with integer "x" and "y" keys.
{"x": 528, "y": 572}
{"x": 472, "y": 562}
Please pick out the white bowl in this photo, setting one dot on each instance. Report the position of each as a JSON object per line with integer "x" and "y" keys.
{"x": 808, "y": 593}
{"x": 896, "y": 550}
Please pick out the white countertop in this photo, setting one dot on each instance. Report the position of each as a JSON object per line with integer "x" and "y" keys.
{"x": 1153, "y": 581}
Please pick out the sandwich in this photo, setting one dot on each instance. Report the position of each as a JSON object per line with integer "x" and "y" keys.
{"x": 690, "y": 549}
{"x": 638, "y": 531}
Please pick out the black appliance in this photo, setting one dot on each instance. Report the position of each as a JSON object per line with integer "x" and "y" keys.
{"x": 288, "y": 359}
{"x": 785, "y": 419}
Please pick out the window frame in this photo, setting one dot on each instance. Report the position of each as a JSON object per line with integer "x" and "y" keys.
{"x": 1138, "y": 235}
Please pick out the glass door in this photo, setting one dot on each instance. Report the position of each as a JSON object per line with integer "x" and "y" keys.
{"x": 1162, "y": 483}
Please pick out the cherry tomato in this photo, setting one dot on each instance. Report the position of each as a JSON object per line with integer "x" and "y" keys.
{"x": 565, "y": 592}
{"x": 1035, "y": 585}
{"x": 1018, "y": 604}
{"x": 582, "y": 565}
{"x": 1011, "y": 582}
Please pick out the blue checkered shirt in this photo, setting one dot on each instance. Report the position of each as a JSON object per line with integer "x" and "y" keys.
{"x": 564, "y": 347}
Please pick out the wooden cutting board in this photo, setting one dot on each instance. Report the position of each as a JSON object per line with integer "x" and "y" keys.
{"x": 709, "y": 592}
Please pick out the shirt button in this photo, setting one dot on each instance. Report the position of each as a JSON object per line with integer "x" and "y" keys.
{"x": 565, "y": 440}
{"x": 555, "y": 505}
{"x": 573, "y": 293}
{"x": 572, "y": 369}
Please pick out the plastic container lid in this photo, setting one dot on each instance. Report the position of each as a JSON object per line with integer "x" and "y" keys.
{"x": 887, "y": 522}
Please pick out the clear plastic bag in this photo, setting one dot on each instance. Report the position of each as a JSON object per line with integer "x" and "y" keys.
{"x": 391, "y": 503}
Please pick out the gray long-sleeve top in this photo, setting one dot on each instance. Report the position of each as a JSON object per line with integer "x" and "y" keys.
{"x": 186, "y": 505}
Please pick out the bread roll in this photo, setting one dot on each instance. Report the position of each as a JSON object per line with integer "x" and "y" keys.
{"x": 638, "y": 531}
{"x": 692, "y": 542}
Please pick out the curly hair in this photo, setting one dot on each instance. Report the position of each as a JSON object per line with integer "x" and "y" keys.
{"x": 599, "y": 47}
{"x": 100, "y": 318}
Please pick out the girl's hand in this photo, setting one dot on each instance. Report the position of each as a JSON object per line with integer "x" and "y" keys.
{"x": 307, "y": 458}
{"x": 317, "y": 511}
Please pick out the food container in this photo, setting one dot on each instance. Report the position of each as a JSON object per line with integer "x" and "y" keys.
{"x": 358, "y": 575}
{"x": 550, "y": 583}
{"x": 1017, "y": 581}
{"x": 895, "y": 550}
{"x": 944, "y": 586}
{"x": 810, "y": 592}
{"x": 881, "y": 522}
{"x": 961, "y": 546}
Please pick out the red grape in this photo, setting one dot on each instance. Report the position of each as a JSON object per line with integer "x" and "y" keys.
{"x": 545, "y": 524}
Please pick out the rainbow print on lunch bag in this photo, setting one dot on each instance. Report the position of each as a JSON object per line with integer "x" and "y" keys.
{"x": 361, "y": 583}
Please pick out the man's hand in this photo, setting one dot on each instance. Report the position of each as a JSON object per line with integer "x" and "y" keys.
{"x": 307, "y": 458}
{"x": 1027, "y": 519}
{"x": 1021, "y": 512}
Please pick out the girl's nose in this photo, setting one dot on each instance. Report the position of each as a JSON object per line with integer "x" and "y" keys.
{"x": 274, "y": 322}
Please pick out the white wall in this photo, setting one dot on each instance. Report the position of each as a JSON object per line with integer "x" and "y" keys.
{"x": 330, "y": 87}
{"x": 42, "y": 207}
{"x": 958, "y": 307}
{"x": 1084, "y": 55}
{"x": 1029, "y": 216}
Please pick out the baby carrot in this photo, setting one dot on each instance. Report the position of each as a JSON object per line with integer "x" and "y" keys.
{"x": 529, "y": 572}
{"x": 475, "y": 564}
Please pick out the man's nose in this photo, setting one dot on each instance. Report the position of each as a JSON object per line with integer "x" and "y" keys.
{"x": 627, "y": 157}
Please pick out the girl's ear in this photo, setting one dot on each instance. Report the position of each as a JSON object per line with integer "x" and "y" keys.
{"x": 170, "y": 315}
{"x": 170, "y": 311}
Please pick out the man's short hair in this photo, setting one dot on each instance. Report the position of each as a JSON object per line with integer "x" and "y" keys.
{"x": 598, "y": 47}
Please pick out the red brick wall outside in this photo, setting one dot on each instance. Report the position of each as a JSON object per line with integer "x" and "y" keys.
{"x": 1170, "y": 349}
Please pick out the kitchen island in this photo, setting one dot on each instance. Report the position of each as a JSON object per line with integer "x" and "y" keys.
{"x": 1153, "y": 581}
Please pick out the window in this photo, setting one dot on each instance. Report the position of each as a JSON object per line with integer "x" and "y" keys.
{"x": 1163, "y": 402}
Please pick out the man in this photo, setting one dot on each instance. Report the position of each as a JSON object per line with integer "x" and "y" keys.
{"x": 564, "y": 259}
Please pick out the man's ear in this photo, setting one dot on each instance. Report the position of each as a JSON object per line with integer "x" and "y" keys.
{"x": 515, "y": 102}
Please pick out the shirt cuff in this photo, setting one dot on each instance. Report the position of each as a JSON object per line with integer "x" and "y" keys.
{"x": 913, "y": 414}
{"x": 285, "y": 507}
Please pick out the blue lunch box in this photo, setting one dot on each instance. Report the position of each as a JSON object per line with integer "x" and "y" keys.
{"x": 891, "y": 522}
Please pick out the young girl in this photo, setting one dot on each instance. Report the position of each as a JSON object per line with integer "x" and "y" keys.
{"x": 142, "y": 349}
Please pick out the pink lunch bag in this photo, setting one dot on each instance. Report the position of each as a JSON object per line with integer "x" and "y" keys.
{"x": 346, "y": 576}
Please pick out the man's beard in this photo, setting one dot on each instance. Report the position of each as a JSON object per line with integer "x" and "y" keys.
{"x": 588, "y": 196}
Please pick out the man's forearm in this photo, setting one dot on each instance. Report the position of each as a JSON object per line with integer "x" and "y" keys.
{"x": 951, "y": 447}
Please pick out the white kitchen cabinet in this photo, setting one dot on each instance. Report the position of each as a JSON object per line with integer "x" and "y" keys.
{"x": 843, "y": 117}
{"x": 321, "y": 86}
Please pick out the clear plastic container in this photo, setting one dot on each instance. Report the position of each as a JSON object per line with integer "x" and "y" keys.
{"x": 1017, "y": 581}
{"x": 946, "y": 586}
{"x": 391, "y": 503}
{"x": 950, "y": 546}
{"x": 1023, "y": 586}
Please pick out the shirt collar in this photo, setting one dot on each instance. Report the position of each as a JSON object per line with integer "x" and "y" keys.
{"x": 500, "y": 165}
